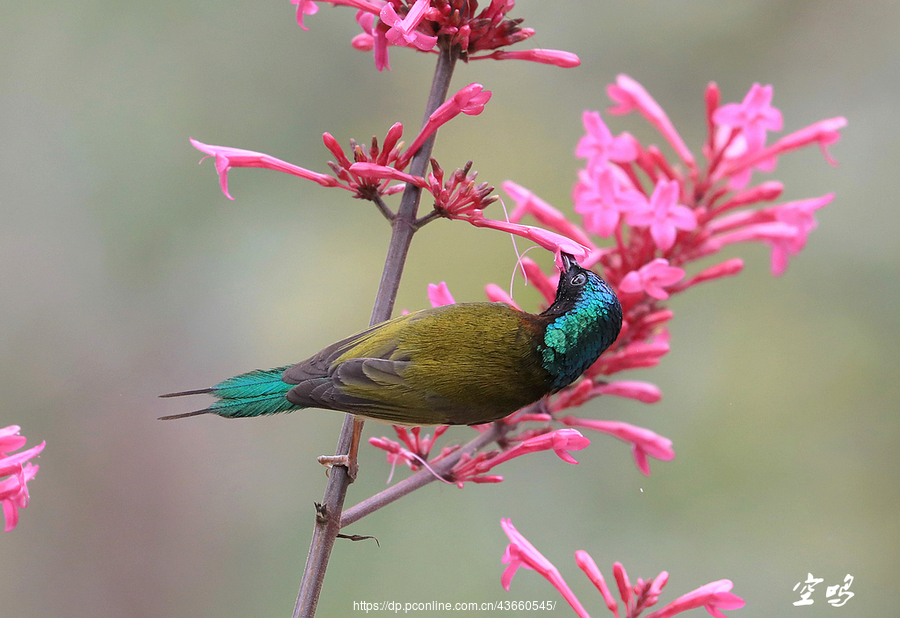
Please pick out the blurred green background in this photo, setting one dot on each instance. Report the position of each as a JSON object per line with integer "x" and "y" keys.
{"x": 125, "y": 273}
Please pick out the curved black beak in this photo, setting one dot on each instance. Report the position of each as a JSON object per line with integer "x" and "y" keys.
{"x": 568, "y": 261}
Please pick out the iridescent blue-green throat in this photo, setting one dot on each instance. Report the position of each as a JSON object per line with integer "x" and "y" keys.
{"x": 461, "y": 364}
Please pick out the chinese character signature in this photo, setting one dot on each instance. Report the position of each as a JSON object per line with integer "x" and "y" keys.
{"x": 842, "y": 591}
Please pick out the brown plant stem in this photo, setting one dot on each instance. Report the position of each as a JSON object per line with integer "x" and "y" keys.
{"x": 328, "y": 520}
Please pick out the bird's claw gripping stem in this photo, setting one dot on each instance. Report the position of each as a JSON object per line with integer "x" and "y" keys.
{"x": 349, "y": 460}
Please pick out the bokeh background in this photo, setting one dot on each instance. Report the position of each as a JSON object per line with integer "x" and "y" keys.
{"x": 125, "y": 273}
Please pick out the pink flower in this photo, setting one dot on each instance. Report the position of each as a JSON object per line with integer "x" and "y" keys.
{"x": 630, "y": 95}
{"x": 460, "y": 23}
{"x": 621, "y": 577}
{"x": 521, "y": 553}
{"x": 469, "y": 100}
{"x": 636, "y": 598}
{"x": 395, "y": 454}
{"x": 496, "y": 294}
{"x": 587, "y": 564}
{"x": 728, "y": 268}
{"x": 527, "y": 203}
{"x": 632, "y": 389}
{"x": 561, "y": 441}
{"x": 824, "y": 133}
{"x": 548, "y": 240}
{"x": 585, "y": 390}
{"x": 798, "y": 215}
{"x": 753, "y": 117}
{"x": 714, "y": 597}
{"x": 385, "y": 172}
{"x": 634, "y": 355}
{"x": 458, "y": 194}
{"x": 15, "y": 466}
{"x": 644, "y": 442}
{"x": 227, "y": 158}
{"x": 652, "y": 278}
{"x": 439, "y": 294}
{"x": 564, "y": 59}
{"x": 601, "y": 198}
{"x": 305, "y": 7}
{"x": 598, "y": 144}
{"x": 664, "y": 215}
{"x": 417, "y": 448}
{"x": 403, "y": 31}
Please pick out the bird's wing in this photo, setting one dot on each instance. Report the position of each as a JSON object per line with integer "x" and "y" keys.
{"x": 370, "y": 343}
{"x": 374, "y": 388}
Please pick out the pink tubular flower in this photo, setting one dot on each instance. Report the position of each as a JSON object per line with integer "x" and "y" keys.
{"x": 403, "y": 31}
{"x": 496, "y": 294}
{"x": 636, "y": 354}
{"x": 587, "y": 564}
{"x": 440, "y": 295}
{"x": 714, "y": 597}
{"x": 632, "y": 389}
{"x": 599, "y": 146}
{"x": 563, "y": 59}
{"x": 636, "y": 598}
{"x": 551, "y": 241}
{"x": 664, "y": 215}
{"x": 18, "y": 470}
{"x": 458, "y": 194}
{"x": 395, "y": 454}
{"x": 527, "y": 203}
{"x": 469, "y": 100}
{"x": 753, "y": 117}
{"x": 227, "y": 158}
{"x": 520, "y": 552}
{"x": 630, "y": 95}
{"x": 644, "y": 442}
{"x": 419, "y": 24}
{"x": 417, "y": 448}
{"x": 561, "y": 441}
{"x": 799, "y": 215}
{"x": 601, "y": 199}
{"x": 824, "y": 133}
{"x": 384, "y": 172}
{"x": 305, "y": 7}
{"x": 652, "y": 278}
{"x": 728, "y": 268}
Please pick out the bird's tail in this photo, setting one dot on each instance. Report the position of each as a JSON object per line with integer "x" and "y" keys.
{"x": 256, "y": 393}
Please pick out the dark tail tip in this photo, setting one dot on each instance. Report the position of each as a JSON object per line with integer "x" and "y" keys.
{"x": 200, "y": 391}
{"x": 172, "y": 417}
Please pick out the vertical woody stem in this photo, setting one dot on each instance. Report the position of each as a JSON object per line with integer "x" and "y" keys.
{"x": 328, "y": 524}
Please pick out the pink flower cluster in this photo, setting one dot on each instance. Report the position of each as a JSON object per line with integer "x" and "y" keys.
{"x": 421, "y": 24}
{"x": 662, "y": 215}
{"x": 415, "y": 450}
{"x": 370, "y": 174}
{"x": 17, "y": 470}
{"x": 635, "y": 598}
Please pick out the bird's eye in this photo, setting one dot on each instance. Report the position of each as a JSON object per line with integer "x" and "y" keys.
{"x": 579, "y": 279}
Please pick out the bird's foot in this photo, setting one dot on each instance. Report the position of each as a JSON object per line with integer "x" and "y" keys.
{"x": 330, "y": 461}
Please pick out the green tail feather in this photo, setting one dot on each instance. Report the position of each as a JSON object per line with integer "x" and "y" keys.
{"x": 256, "y": 393}
{"x": 256, "y": 383}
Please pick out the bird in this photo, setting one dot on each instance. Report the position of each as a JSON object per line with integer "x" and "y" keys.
{"x": 460, "y": 364}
